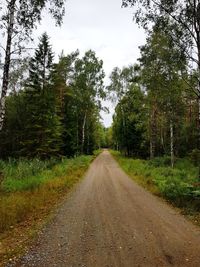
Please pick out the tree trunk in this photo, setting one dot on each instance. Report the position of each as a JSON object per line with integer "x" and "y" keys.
{"x": 124, "y": 131}
{"x": 199, "y": 121}
{"x": 162, "y": 140}
{"x": 198, "y": 98}
{"x": 83, "y": 134}
{"x": 197, "y": 30}
{"x": 6, "y": 67}
{"x": 172, "y": 142}
{"x": 77, "y": 135}
{"x": 88, "y": 140}
{"x": 153, "y": 133}
{"x": 117, "y": 146}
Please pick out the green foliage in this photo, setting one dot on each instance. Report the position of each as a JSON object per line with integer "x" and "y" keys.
{"x": 42, "y": 126}
{"x": 29, "y": 12}
{"x": 17, "y": 21}
{"x": 88, "y": 90}
{"x": 97, "y": 152}
{"x": 195, "y": 157}
{"x": 162, "y": 67}
{"x": 57, "y": 111}
{"x": 179, "y": 23}
{"x": 23, "y": 175}
{"x": 23, "y": 168}
{"x": 157, "y": 111}
{"x": 160, "y": 161}
{"x": 30, "y": 190}
{"x": 129, "y": 127}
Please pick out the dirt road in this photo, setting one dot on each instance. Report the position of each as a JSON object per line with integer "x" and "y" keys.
{"x": 110, "y": 221}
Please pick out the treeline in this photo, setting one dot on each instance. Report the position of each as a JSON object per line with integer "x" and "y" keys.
{"x": 157, "y": 110}
{"x": 55, "y": 110}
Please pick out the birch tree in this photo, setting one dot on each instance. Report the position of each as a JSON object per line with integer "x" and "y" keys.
{"x": 129, "y": 123}
{"x": 121, "y": 81}
{"x": 162, "y": 66}
{"x": 88, "y": 89}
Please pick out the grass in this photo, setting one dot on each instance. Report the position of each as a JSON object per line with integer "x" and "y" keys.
{"x": 180, "y": 185}
{"x": 29, "y": 175}
{"x": 28, "y": 191}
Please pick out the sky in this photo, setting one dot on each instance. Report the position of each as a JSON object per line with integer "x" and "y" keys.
{"x": 100, "y": 25}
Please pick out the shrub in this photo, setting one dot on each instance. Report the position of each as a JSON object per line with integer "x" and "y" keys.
{"x": 160, "y": 161}
{"x": 195, "y": 157}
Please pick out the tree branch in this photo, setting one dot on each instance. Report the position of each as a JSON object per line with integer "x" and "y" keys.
{"x": 176, "y": 19}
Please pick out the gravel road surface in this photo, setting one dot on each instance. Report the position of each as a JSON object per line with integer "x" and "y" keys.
{"x": 109, "y": 221}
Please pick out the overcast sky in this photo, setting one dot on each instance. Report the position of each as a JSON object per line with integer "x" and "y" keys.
{"x": 100, "y": 25}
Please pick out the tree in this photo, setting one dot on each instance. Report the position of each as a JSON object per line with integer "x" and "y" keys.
{"x": 87, "y": 90}
{"x": 18, "y": 74}
{"x": 184, "y": 20}
{"x": 162, "y": 67}
{"x": 57, "y": 110}
{"x": 63, "y": 79}
{"x": 129, "y": 123}
{"x": 13, "y": 133}
{"x": 42, "y": 125}
{"x": 41, "y": 64}
{"x": 121, "y": 80}
{"x": 17, "y": 21}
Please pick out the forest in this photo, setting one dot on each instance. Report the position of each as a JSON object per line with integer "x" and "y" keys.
{"x": 56, "y": 110}
{"x": 50, "y": 110}
{"x": 157, "y": 110}
{"x": 53, "y": 108}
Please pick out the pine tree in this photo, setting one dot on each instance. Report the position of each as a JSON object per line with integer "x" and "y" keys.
{"x": 63, "y": 78}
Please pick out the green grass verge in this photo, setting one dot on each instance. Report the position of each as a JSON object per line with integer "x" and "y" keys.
{"x": 28, "y": 186}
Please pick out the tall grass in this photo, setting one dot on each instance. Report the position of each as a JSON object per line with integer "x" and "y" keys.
{"x": 26, "y": 175}
{"x": 23, "y": 168}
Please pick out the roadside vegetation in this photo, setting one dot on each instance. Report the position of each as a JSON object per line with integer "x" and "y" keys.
{"x": 156, "y": 124}
{"x": 50, "y": 124}
{"x": 29, "y": 190}
{"x": 178, "y": 185}
{"x": 50, "y": 111}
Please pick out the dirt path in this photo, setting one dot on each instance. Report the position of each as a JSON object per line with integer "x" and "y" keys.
{"x": 110, "y": 221}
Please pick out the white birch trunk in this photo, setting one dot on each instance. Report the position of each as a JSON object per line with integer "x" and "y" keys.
{"x": 152, "y": 133}
{"x": 83, "y": 134}
{"x": 7, "y": 61}
{"x": 199, "y": 126}
{"x": 77, "y": 134}
{"x": 172, "y": 142}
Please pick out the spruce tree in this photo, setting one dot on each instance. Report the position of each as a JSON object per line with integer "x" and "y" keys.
{"x": 43, "y": 126}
